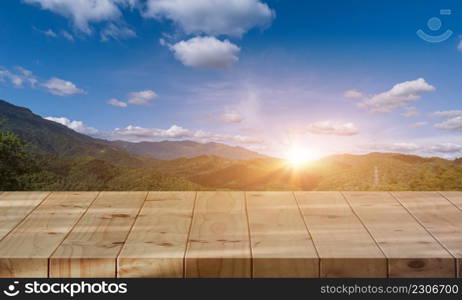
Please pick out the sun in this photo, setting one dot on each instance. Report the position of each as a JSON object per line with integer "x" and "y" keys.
{"x": 299, "y": 156}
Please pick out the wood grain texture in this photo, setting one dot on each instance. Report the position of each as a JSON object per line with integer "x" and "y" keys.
{"x": 15, "y": 206}
{"x": 24, "y": 252}
{"x": 219, "y": 244}
{"x": 454, "y": 197}
{"x": 439, "y": 216}
{"x": 410, "y": 249}
{"x": 91, "y": 248}
{"x": 281, "y": 244}
{"x": 157, "y": 242}
{"x": 344, "y": 246}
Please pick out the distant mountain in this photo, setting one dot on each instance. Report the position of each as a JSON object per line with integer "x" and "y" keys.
{"x": 167, "y": 150}
{"x": 49, "y": 137}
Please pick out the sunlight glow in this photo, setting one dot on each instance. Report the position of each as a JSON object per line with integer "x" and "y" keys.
{"x": 298, "y": 156}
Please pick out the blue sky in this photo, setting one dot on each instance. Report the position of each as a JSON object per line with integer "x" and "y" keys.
{"x": 325, "y": 76}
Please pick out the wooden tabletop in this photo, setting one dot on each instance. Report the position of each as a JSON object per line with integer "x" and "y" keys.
{"x": 230, "y": 234}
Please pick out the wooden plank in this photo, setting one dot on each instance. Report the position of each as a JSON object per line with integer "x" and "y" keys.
{"x": 157, "y": 243}
{"x": 15, "y": 206}
{"x": 454, "y": 197}
{"x": 219, "y": 244}
{"x": 344, "y": 246}
{"x": 281, "y": 244}
{"x": 24, "y": 252}
{"x": 410, "y": 249}
{"x": 91, "y": 248}
{"x": 439, "y": 216}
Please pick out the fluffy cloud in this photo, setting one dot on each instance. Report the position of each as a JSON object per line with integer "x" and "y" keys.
{"x": 447, "y": 114}
{"x": 117, "y": 103}
{"x": 410, "y": 112}
{"x": 141, "y": 97}
{"x": 399, "y": 96}
{"x": 330, "y": 128}
{"x": 115, "y": 32}
{"x": 61, "y": 87}
{"x": 206, "y": 52}
{"x": 212, "y": 17}
{"x": 78, "y": 126}
{"x": 459, "y": 47}
{"x": 233, "y": 117}
{"x": 446, "y": 148}
{"x": 453, "y": 124}
{"x": 353, "y": 94}
{"x": 177, "y": 132}
{"x": 19, "y": 77}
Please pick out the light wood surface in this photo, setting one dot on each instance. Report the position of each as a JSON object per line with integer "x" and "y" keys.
{"x": 454, "y": 197}
{"x": 15, "y": 206}
{"x": 230, "y": 234}
{"x": 344, "y": 246}
{"x": 157, "y": 243}
{"x": 24, "y": 252}
{"x": 410, "y": 249}
{"x": 281, "y": 244}
{"x": 91, "y": 248}
{"x": 219, "y": 239}
{"x": 442, "y": 219}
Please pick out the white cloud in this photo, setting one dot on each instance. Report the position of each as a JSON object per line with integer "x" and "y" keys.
{"x": 18, "y": 77}
{"x": 141, "y": 97}
{"x": 459, "y": 47}
{"x": 212, "y": 17}
{"x": 446, "y": 148}
{"x": 117, "y": 103}
{"x": 78, "y": 126}
{"x": 206, "y": 52}
{"x": 84, "y": 12}
{"x": 61, "y": 87}
{"x": 447, "y": 114}
{"x": 112, "y": 31}
{"x": 233, "y": 117}
{"x": 67, "y": 35}
{"x": 48, "y": 32}
{"x": 331, "y": 128}
{"x": 399, "y": 96}
{"x": 410, "y": 112}
{"x": 418, "y": 124}
{"x": 353, "y": 94}
{"x": 453, "y": 124}
{"x": 403, "y": 147}
{"x": 177, "y": 132}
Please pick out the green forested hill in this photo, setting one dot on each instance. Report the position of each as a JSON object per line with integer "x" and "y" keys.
{"x": 57, "y": 158}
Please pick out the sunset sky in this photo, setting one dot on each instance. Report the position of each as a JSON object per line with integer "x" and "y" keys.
{"x": 326, "y": 76}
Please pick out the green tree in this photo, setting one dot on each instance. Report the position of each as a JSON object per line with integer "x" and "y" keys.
{"x": 15, "y": 162}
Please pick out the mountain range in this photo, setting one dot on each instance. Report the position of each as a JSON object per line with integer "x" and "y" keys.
{"x": 44, "y": 136}
{"x": 72, "y": 161}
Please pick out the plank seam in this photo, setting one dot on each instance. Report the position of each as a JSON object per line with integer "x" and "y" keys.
{"x": 442, "y": 195}
{"x": 369, "y": 232}
{"x": 309, "y": 233}
{"x": 428, "y": 231}
{"x": 189, "y": 234}
{"x": 27, "y": 215}
{"x": 248, "y": 232}
{"x": 116, "y": 260}
{"x": 69, "y": 232}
